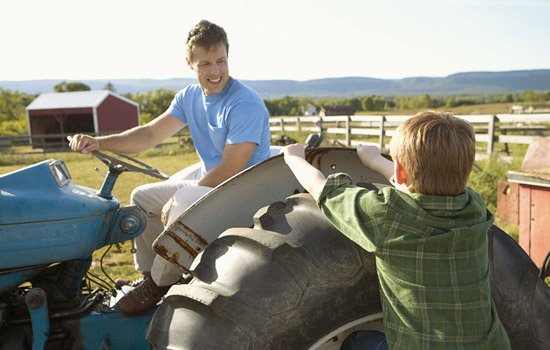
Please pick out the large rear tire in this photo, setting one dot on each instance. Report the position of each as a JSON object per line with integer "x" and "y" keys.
{"x": 289, "y": 282}
{"x": 521, "y": 297}
{"x": 294, "y": 282}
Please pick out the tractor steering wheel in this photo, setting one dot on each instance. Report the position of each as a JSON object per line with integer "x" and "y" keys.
{"x": 120, "y": 166}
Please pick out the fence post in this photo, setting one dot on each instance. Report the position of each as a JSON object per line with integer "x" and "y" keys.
{"x": 348, "y": 131}
{"x": 491, "y": 134}
{"x": 382, "y": 133}
{"x": 282, "y": 121}
{"x": 321, "y": 125}
{"x": 298, "y": 125}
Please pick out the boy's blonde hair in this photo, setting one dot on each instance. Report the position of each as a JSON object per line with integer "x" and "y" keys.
{"x": 436, "y": 151}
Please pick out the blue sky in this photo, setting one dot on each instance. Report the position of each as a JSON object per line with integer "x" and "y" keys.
{"x": 273, "y": 39}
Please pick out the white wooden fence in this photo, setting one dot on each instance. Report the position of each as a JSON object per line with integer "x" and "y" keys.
{"x": 349, "y": 131}
{"x": 43, "y": 143}
{"x": 491, "y": 130}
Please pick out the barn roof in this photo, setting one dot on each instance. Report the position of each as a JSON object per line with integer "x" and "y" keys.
{"x": 77, "y": 99}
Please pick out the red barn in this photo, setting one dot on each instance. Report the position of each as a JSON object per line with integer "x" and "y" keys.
{"x": 98, "y": 111}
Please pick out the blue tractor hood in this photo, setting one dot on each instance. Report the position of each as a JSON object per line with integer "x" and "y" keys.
{"x": 45, "y": 192}
{"x": 44, "y": 217}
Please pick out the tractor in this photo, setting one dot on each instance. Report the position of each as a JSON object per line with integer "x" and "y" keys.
{"x": 262, "y": 267}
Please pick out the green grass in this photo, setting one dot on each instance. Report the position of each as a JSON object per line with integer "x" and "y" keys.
{"x": 486, "y": 175}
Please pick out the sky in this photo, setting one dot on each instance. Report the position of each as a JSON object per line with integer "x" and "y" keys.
{"x": 273, "y": 39}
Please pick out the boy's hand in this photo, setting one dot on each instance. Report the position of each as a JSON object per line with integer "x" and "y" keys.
{"x": 307, "y": 175}
{"x": 296, "y": 149}
{"x": 369, "y": 155}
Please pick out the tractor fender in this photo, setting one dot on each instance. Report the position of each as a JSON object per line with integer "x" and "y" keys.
{"x": 234, "y": 202}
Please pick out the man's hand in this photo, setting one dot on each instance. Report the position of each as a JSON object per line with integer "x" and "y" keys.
{"x": 83, "y": 143}
{"x": 165, "y": 213}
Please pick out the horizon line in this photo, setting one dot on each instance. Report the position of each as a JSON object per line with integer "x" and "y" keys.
{"x": 275, "y": 79}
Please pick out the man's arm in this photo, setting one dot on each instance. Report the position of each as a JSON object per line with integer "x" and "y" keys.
{"x": 235, "y": 157}
{"x": 133, "y": 140}
{"x": 307, "y": 175}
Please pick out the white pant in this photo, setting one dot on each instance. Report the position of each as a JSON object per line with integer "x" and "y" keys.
{"x": 151, "y": 198}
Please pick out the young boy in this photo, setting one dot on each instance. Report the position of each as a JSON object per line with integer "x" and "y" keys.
{"x": 429, "y": 235}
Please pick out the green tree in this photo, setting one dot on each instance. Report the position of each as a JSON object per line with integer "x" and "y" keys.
{"x": 65, "y": 86}
{"x": 109, "y": 86}
{"x": 423, "y": 101}
{"x": 13, "y": 119}
{"x": 13, "y": 127}
{"x": 380, "y": 103}
{"x": 528, "y": 96}
{"x": 152, "y": 103}
{"x": 403, "y": 102}
{"x": 450, "y": 102}
{"x": 508, "y": 98}
{"x": 284, "y": 106}
{"x": 271, "y": 106}
{"x": 367, "y": 103}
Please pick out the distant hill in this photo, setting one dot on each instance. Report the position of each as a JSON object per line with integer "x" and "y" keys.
{"x": 460, "y": 83}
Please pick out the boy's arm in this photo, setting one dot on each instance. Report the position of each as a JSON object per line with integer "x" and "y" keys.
{"x": 370, "y": 156}
{"x": 307, "y": 175}
{"x": 344, "y": 209}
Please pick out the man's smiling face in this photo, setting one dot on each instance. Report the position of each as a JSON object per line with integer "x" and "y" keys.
{"x": 211, "y": 68}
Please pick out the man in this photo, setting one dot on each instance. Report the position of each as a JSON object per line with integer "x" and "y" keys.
{"x": 229, "y": 124}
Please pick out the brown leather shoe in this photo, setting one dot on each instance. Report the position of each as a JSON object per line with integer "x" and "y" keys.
{"x": 146, "y": 295}
{"x": 119, "y": 283}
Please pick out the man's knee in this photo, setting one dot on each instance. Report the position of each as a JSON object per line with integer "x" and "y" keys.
{"x": 138, "y": 196}
{"x": 186, "y": 196}
{"x": 150, "y": 198}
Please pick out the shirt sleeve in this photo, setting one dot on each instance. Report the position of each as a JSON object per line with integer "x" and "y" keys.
{"x": 177, "y": 106}
{"x": 355, "y": 211}
{"x": 246, "y": 123}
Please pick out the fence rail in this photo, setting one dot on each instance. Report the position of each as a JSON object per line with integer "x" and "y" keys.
{"x": 58, "y": 142}
{"x": 491, "y": 130}
{"x": 377, "y": 130}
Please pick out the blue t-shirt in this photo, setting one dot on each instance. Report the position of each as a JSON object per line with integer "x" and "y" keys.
{"x": 235, "y": 115}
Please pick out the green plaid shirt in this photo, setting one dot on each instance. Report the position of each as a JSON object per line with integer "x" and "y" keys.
{"x": 432, "y": 261}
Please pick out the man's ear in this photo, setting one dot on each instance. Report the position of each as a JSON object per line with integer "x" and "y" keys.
{"x": 189, "y": 62}
{"x": 400, "y": 175}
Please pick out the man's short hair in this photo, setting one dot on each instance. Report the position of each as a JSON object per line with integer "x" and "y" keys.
{"x": 205, "y": 34}
{"x": 437, "y": 152}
